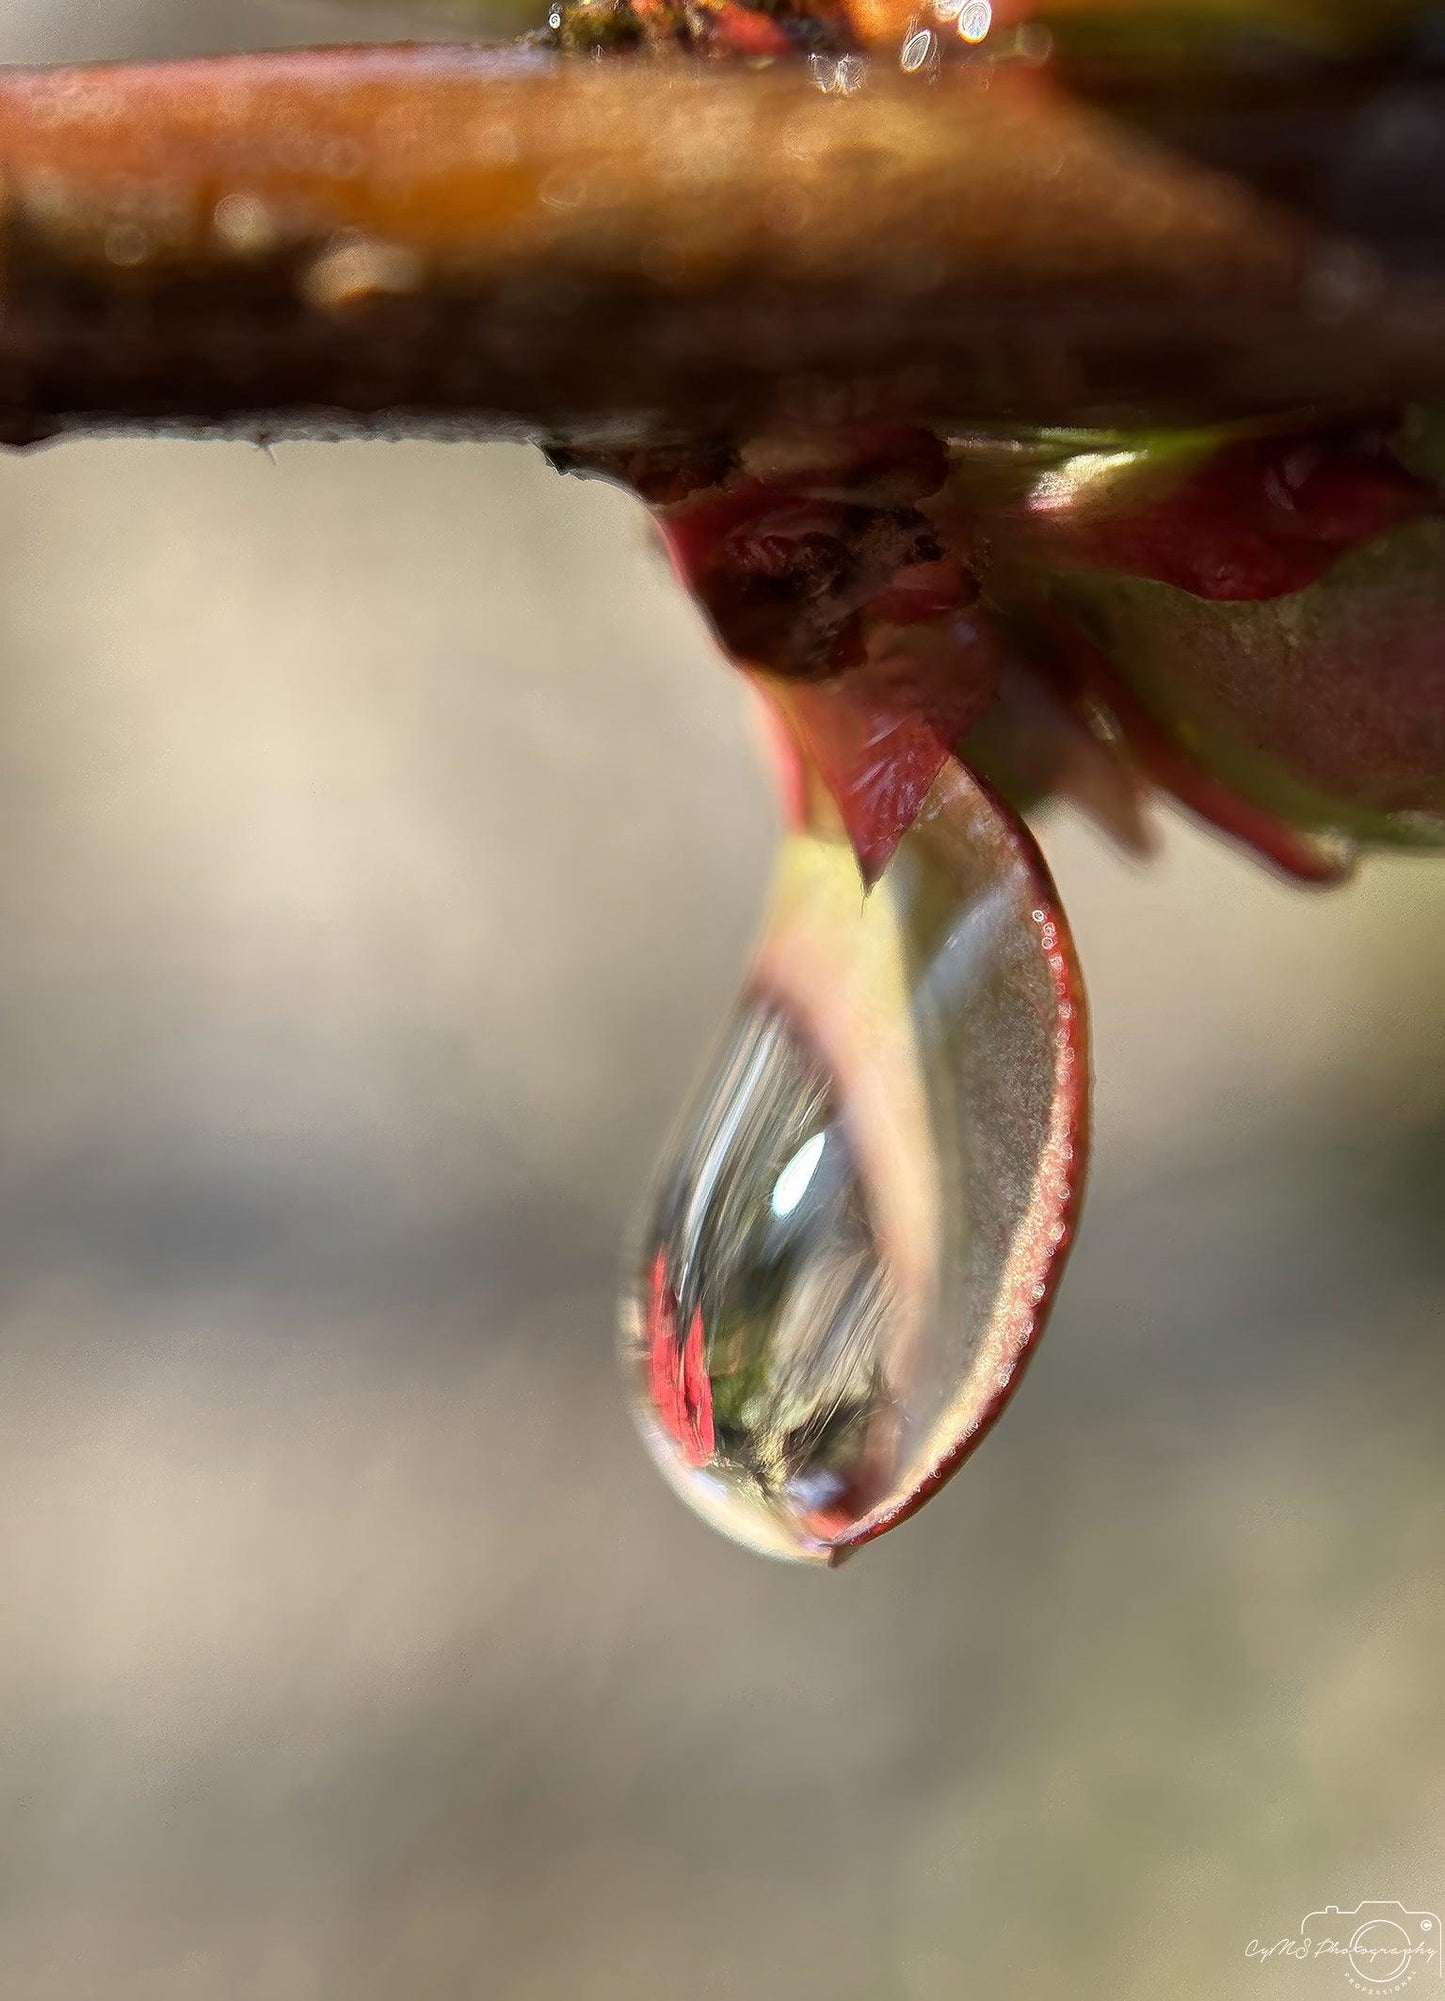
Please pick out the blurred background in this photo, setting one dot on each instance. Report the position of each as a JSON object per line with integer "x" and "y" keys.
{"x": 381, "y": 845}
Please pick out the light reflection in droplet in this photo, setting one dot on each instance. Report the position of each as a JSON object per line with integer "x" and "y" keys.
{"x": 792, "y": 1184}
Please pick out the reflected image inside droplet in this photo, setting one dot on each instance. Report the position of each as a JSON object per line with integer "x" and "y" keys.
{"x": 768, "y": 1255}
{"x": 845, "y": 1255}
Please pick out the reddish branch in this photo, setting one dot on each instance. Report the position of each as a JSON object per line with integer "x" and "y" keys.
{"x": 517, "y": 243}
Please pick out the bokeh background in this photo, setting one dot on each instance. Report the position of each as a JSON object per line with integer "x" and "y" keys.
{"x": 381, "y": 842}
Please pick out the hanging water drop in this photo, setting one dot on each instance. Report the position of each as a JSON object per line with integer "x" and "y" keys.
{"x": 852, "y": 1242}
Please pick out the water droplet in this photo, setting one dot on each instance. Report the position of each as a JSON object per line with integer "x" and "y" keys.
{"x": 563, "y": 190}
{"x": 839, "y": 76}
{"x": 974, "y": 20}
{"x": 920, "y": 48}
{"x": 127, "y": 243}
{"x": 1033, "y": 42}
{"x": 842, "y": 1261}
{"x": 245, "y": 224}
{"x": 355, "y": 269}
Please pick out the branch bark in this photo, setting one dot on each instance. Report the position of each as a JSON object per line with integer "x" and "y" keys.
{"x": 511, "y": 244}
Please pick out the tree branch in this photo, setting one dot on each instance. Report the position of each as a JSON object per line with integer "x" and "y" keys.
{"x": 512, "y": 244}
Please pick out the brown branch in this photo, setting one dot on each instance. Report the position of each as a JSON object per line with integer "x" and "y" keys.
{"x": 416, "y": 238}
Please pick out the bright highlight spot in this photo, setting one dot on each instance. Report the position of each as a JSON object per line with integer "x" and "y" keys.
{"x": 1072, "y": 482}
{"x": 792, "y": 1184}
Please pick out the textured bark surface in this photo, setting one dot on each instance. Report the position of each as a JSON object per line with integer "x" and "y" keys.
{"x": 517, "y": 245}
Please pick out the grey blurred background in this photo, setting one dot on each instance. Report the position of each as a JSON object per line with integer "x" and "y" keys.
{"x": 381, "y": 843}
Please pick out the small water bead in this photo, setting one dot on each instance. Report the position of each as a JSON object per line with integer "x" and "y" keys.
{"x": 245, "y": 224}
{"x": 128, "y": 244}
{"x": 354, "y": 269}
{"x": 838, "y": 76}
{"x": 842, "y": 1262}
